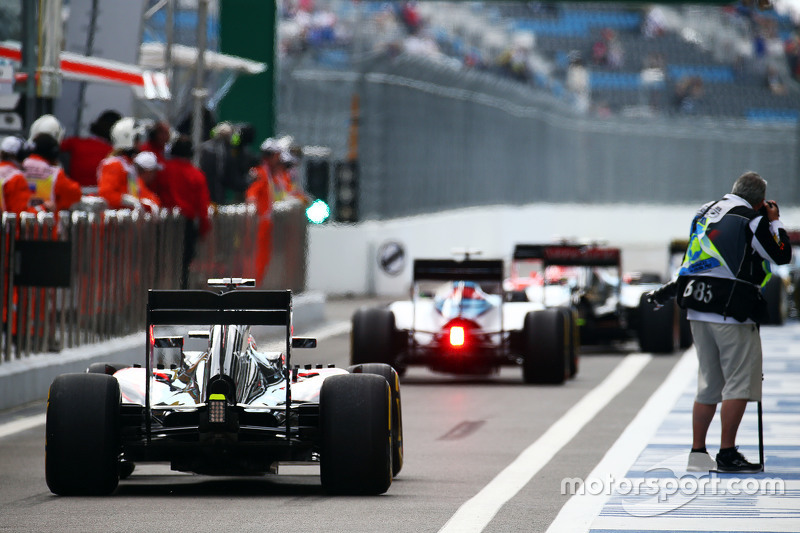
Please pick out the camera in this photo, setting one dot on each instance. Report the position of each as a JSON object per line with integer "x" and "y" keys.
{"x": 763, "y": 210}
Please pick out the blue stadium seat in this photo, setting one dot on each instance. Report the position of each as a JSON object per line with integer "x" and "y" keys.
{"x": 625, "y": 81}
{"x": 708, "y": 73}
{"x": 772, "y": 115}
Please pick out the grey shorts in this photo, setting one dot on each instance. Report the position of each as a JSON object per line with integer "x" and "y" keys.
{"x": 729, "y": 357}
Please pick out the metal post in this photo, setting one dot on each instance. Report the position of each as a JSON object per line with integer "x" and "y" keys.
{"x": 49, "y": 64}
{"x": 9, "y": 229}
{"x": 760, "y": 437}
{"x": 89, "y": 51}
{"x": 199, "y": 91}
{"x": 168, "y": 67}
{"x": 29, "y": 63}
{"x": 13, "y": 313}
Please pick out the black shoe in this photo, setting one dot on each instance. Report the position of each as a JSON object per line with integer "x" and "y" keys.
{"x": 730, "y": 460}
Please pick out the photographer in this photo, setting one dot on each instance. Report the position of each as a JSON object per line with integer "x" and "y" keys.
{"x": 726, "y": 264}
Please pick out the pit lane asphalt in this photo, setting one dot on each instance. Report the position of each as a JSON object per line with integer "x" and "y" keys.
{"x": 459, "y": 434}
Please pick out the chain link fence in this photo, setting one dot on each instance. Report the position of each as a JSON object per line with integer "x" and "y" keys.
{"x": 434, "y": 136}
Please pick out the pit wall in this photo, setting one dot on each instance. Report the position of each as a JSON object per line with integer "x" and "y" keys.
{"x": 343, "y": 259}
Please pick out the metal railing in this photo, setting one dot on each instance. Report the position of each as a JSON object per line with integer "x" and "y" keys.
{"x": 115, "y": 256}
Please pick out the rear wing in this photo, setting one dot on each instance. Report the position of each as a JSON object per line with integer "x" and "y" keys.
{"x": 569, "y": 254}
{"x": 529, "y": 251}
{"x": 190, "y": 307}
{"x": 678, "y": 246}
{"x": 452, "y": 270}
{"x": 195, "y": 307}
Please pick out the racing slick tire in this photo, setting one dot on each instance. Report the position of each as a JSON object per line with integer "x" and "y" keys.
{"x": 545, "y": 340}
{"x": 126, "y": 468}
{"x": 390, "y": 374}
{"x": 777, "y": 301}
{"x": 573, "y": 339}
{"x": 659, "y": 329}
{"x": 105, "y": 368}
{"x": 373, "y": 337}
{"x": 517, "y": 296}
{"x": 82, "y": 445}
{"x": 356, "y": 446}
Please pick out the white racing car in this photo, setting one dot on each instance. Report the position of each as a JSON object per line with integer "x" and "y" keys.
{"x": 224, "y": 407}
{"x": 458, "y": 321}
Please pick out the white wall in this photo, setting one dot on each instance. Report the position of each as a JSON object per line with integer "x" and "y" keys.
{"x": 343, "y": 258}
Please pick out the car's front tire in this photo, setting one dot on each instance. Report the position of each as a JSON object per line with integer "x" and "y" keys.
{"x": 105, "y": 368}
{"x": 374, "y": 337}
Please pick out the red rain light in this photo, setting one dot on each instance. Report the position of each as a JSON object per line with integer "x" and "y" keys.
{"x": 457, "y": 336}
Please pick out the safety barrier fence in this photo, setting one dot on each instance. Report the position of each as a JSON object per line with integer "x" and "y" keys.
{"x": 82, "y": 277}
{"x": 429, "y": 136}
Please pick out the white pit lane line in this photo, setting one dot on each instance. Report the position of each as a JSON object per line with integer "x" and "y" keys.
{"x": 476, "y": 513}
{"x": 9, "y": 428}
{"x": 330, "y": 330}
{"x": 577, "y": 515}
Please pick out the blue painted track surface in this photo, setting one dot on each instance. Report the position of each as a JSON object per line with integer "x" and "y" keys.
{"x": 670, "y": 499}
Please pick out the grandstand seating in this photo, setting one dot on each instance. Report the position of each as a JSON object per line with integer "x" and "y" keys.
{"x": 728, "y": 90}
{"x": 772, "y": 115}
{"x": 562, "y": 29}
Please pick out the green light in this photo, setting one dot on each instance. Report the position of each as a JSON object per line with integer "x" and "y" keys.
{"x": 318, "y": 212}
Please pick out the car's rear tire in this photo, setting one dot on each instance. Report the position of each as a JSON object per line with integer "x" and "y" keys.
{"x": 374, "y": 337}
{"x": 545, "y": 340}
{"x": 391, "y": 376}
{"x": 356, "y": 447}
{"x": 659, "y": 329}
{"x": 685, "y": 329}
{"x": 82, "y": 446}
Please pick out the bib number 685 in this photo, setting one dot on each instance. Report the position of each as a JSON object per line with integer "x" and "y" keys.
{"x": 698, "y": 290}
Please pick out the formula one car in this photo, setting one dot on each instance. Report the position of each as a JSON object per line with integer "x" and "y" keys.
{"x": 459, "y": 322}
{"x": 588, "y": 279}
{"x": 226, "y": 408}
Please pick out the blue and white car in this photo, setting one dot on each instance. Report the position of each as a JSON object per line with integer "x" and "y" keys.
{"x": 459, "y": 321}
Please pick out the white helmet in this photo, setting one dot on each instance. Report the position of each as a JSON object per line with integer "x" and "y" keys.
{"x": 285, "y": 142}
{"x": 125, "y": 134}
{"x": 47, "y": 124}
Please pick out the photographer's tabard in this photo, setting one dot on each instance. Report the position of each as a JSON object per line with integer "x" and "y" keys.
{"x": 728, "y": 297}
